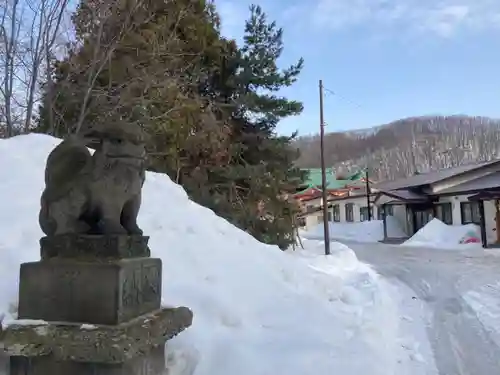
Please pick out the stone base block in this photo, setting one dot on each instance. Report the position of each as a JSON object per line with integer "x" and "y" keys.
{"x": 111, "y": 292}
{"x": 76, "y": 246}
{"x": 151, "y": 364}
{"x": 134, "y": 348}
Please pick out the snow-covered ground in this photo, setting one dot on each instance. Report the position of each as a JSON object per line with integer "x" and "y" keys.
{"x": 435, "y": 234}
{"x": 485, "y": 301}
{"x": 258, "y": 310}
{"x": 415, "y": 318}
{"x": 456, "y": 293}
{"x": 366, "y": 231}
{"x": 460, "y": 289}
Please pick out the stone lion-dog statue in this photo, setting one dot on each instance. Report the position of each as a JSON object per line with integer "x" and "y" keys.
{"x": 97, "y": 193}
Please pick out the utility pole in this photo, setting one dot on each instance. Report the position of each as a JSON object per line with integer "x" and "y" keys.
{"x": 323, "y": 171}
{"x": 368, "y": 195}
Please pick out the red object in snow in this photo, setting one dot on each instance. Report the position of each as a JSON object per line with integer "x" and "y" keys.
{"x": 472, "y": 240}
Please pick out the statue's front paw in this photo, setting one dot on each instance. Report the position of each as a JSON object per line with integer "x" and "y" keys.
{"x": 112, "y": 228}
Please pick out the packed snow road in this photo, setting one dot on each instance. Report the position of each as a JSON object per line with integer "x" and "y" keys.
{"x": 461, "y": 343}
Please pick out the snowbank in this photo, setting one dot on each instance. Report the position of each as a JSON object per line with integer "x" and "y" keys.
{"x": 257, "y": 310}
{"x": 366, "y": 231}
{"x": 439, "y": 235}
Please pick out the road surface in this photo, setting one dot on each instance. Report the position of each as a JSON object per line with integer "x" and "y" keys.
{"x": 460, "y": 342}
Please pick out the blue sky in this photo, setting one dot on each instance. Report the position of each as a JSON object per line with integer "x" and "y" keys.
{"x": 386, "y": 59}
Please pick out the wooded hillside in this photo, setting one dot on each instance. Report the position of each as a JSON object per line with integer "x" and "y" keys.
{"x": 400, "y": 148}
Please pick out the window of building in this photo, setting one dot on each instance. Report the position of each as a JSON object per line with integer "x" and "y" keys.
{"x": 422, "y": 217}
{"x": 363, "y": 213}
{"x": 389, "y": 211}
{"x": 310, "y": 208}
{"x": 444, "y": 213}
{"x": 301, "y": 222}
{"x": 349, "y": 212}
{"x": 470, "y": 213}
{"x": 336, "y": 213}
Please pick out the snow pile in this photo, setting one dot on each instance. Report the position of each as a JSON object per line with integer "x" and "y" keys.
{"x": 365, "y": 231}
{"x": 439, "y": 235}
{"x": 257, "y": 310}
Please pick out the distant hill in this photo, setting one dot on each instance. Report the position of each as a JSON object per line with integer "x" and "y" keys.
{"x": 401, "y": 147}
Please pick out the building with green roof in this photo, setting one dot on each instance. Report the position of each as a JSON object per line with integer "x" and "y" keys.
{"x": 314, "y": 180}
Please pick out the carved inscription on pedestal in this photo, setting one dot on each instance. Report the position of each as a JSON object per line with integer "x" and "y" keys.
{"x": 141, "y": 286}
{"x": 152, "y": 283}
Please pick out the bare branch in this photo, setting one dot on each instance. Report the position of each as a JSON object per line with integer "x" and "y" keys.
{"x": 28, "y": 34}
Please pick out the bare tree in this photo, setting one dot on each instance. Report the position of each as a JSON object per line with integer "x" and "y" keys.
{"x": 8, "y": 53}
{"x": 29, "y": 32}
{"x": 400, "y": 148}
{"x": 159, "y": 69}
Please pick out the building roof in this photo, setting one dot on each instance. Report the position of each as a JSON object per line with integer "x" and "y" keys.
{"x": 490, "y": 181}
{"x": 403, "y": 196}
{"x": 485, "y": 195}
{"x": 431, "y": 177}
{"x": 315, "y": 180}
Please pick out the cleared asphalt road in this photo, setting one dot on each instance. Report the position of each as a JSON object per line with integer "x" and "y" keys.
{"x": 461, "y": 344}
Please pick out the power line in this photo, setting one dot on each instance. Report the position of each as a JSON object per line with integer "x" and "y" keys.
{"x": 323, "y": 173}
{"x": 341, "y": 97}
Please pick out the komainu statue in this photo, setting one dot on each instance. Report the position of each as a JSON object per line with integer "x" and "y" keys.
{"x": 94, "y": 194}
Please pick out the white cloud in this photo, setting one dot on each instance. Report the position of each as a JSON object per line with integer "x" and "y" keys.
{"x": 445, "y": 20}
{"x": 440, "y": 17}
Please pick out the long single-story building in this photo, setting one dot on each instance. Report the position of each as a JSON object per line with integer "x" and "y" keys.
{"x": 459, "y": 195}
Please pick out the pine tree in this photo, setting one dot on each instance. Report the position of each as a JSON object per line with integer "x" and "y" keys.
{"x": 264, "y": 169}
{"x": 209, "y": 106}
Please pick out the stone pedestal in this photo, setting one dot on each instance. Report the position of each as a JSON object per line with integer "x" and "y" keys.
{"x": 100, "y": 298}
{"x": 105, "y": 292}
{"x": 135, "y": 347}
{"x": 94, "y": 247}
{"x": 151, "y": 364}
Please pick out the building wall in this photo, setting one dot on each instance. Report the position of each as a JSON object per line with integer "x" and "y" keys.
{"x": 489, "y": 213}
{"x": 312, "y": 203}
{"x": 341, "y": 205}
{"x": 401, "y": 218}
{"x": 313, "y": 219}
{"x": 357, "y": 201}
{"x": 455, "y": 206}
